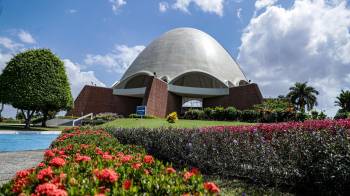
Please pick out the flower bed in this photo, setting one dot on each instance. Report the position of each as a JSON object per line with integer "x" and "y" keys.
{"x": 92, "y": 162}
{"x": 311, "y": 156}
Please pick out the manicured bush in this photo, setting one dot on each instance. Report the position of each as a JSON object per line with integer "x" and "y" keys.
{"x": 172, "y": 117}
{"x": 194, "y": 114}
{"x": 92, "y": 162}
{"x": 313, "y": 156}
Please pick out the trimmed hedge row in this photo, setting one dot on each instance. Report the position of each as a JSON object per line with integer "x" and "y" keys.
{"x": 254, "y": 116}
{"x": 311, "y": 156}
{"x": 92, "y": 162}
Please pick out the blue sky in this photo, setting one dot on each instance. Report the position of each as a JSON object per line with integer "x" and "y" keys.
{"x": 277, "y": 42}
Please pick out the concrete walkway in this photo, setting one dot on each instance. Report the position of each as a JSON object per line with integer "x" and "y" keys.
{"x": 11, "y": 162}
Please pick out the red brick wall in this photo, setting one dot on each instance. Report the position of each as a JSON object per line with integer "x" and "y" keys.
{"x": 241, "y": 97}
{"x": 174, "y": 103}
{"x": 96, "y": 100}
{"x": 156, "y": 97}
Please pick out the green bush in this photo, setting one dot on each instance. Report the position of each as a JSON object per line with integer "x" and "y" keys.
{"x": 300, "y": 158}
{"x": 145, "y": 117}
{"x": 92, "y": 162}
{"x": 194, "y": 114}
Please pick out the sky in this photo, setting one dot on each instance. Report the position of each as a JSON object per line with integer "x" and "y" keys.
{"x": 276, "y": 42}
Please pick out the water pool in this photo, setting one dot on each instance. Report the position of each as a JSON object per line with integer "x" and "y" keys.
{"x": 23, "y": 140}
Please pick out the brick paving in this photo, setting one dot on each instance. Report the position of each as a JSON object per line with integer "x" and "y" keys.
{"x": 10, "y": 162}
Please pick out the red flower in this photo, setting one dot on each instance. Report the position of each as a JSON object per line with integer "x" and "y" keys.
{"x": 170, "y": 170}
{"x": 146, "y": 171}
{"x": 188, "y": 175}
{"x": 57, "y": 161}
{"x": 126, "y": 158}
{"x": 136, "y": 165}
{"x": 82, "y": 158}
{"x": 195, "y": 171}
{"x": 41, "y": 164}
{"x": 45, "y": 189}
{"x": 45, "y": 173}
{"x": 108, "y": 175}
{"x": 49, "y": 153}
{"x": 107, "y": 157}
{"x": 58, "y": 192}
{"x": 148, "y": 159}
{"x": 211, "y": 187}
{"x": 127, "y": 184}
{"x": 21, "y": 180}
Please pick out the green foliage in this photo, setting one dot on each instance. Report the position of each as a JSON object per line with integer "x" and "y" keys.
{"x": 145, "y": 117}
{"x": 302, "y": 95}
{"x": 343, "y": 101}
{"x": 35, "y": 80}
{"x": 341, "y": 114}
{"x": 89, "y": 162}
{"x": 307, "y": 161}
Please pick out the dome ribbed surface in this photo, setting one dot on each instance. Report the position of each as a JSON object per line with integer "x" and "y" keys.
{"x": 186, "y": 50}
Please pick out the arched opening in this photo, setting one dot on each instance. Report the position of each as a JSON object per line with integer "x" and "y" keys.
{"x": 198, "y": 80}
{"x": 136, "y": 82}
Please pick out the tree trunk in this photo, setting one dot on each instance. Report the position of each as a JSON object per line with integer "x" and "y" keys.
{"x": 43, "y": 123}
{"x": 27, "y": 118}
{"x": 1, "y": 109}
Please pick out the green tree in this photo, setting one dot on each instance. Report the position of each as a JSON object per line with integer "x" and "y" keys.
{"x": 35, "y": 80}
{"x": 302, "y": 95}
{"x": 343, "y": 101}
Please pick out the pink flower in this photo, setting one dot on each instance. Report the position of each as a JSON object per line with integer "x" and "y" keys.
{"x": 126, "y": 158}
{"x": 49, "y": 153}
{"x": 136, "y": 165}
{"x": 82, "y": 158}
{"x": 108, "y": 175}
{"x": 107, "y": 157}
{"x": 41, "y": 164}
{"x": 170, "y": 170}
{"x": 211, "y": 187}
{"x": 188, "y": 175}
{"x": 57, "y": 161}
{"x": 45, "y": 174}
{"x": 50, "y": 189}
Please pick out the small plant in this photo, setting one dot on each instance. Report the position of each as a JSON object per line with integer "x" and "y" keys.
{"x": 172, "y": 117}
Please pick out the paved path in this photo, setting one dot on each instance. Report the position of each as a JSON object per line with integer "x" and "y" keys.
{"x": 10, "y": 162}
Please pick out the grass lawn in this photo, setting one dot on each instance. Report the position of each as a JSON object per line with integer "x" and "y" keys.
{"x": 20, "y": 127}
{"x": 154, "y": 123}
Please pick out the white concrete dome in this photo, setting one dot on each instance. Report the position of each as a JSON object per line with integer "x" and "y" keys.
{"x": 185, "y": 57}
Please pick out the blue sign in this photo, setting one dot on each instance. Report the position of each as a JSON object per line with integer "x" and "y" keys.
{"x": 141, "y": 110}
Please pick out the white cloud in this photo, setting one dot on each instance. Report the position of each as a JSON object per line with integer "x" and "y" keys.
{"x": 72, "y": 11}
{"x": 260, "y": 4}
{"x": 4, "y": 58}
{"x": 239, "y": 13}
{"x": 26, "y": 37}
{"x": 308, "y": 42}
{"x": 7, "y": 43}
{"x": 210, "y": 6}
{"x": 78, "y": 78}
{"x": 118, "y": 60}
{"x": 116, "y": 4}
{"x": 163, "y": 6}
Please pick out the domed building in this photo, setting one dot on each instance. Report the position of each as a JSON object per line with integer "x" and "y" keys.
{"x": 184, "y": 68}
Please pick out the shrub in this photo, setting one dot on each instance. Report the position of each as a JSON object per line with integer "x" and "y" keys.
{"x": 172, "y": 117}
{"x": 310, "y": 156}
{"x": 231, "y": 113}
{"x": 107, "y": 116}
{"x": 92, "y": 162}
{"x": 145, "y": 117}
{"x": 194, "y": 114}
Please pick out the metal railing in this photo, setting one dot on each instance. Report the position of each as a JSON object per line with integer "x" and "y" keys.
{"x": 82, "y": 118}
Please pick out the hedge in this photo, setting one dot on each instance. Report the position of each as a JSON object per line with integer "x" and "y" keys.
{"x": 92, "y": 162}
{"x": 313, "y": 156}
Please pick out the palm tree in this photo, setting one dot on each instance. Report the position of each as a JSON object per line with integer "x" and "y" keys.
{"x": 343, "y": 100}
{"x": 302, "y": 95}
